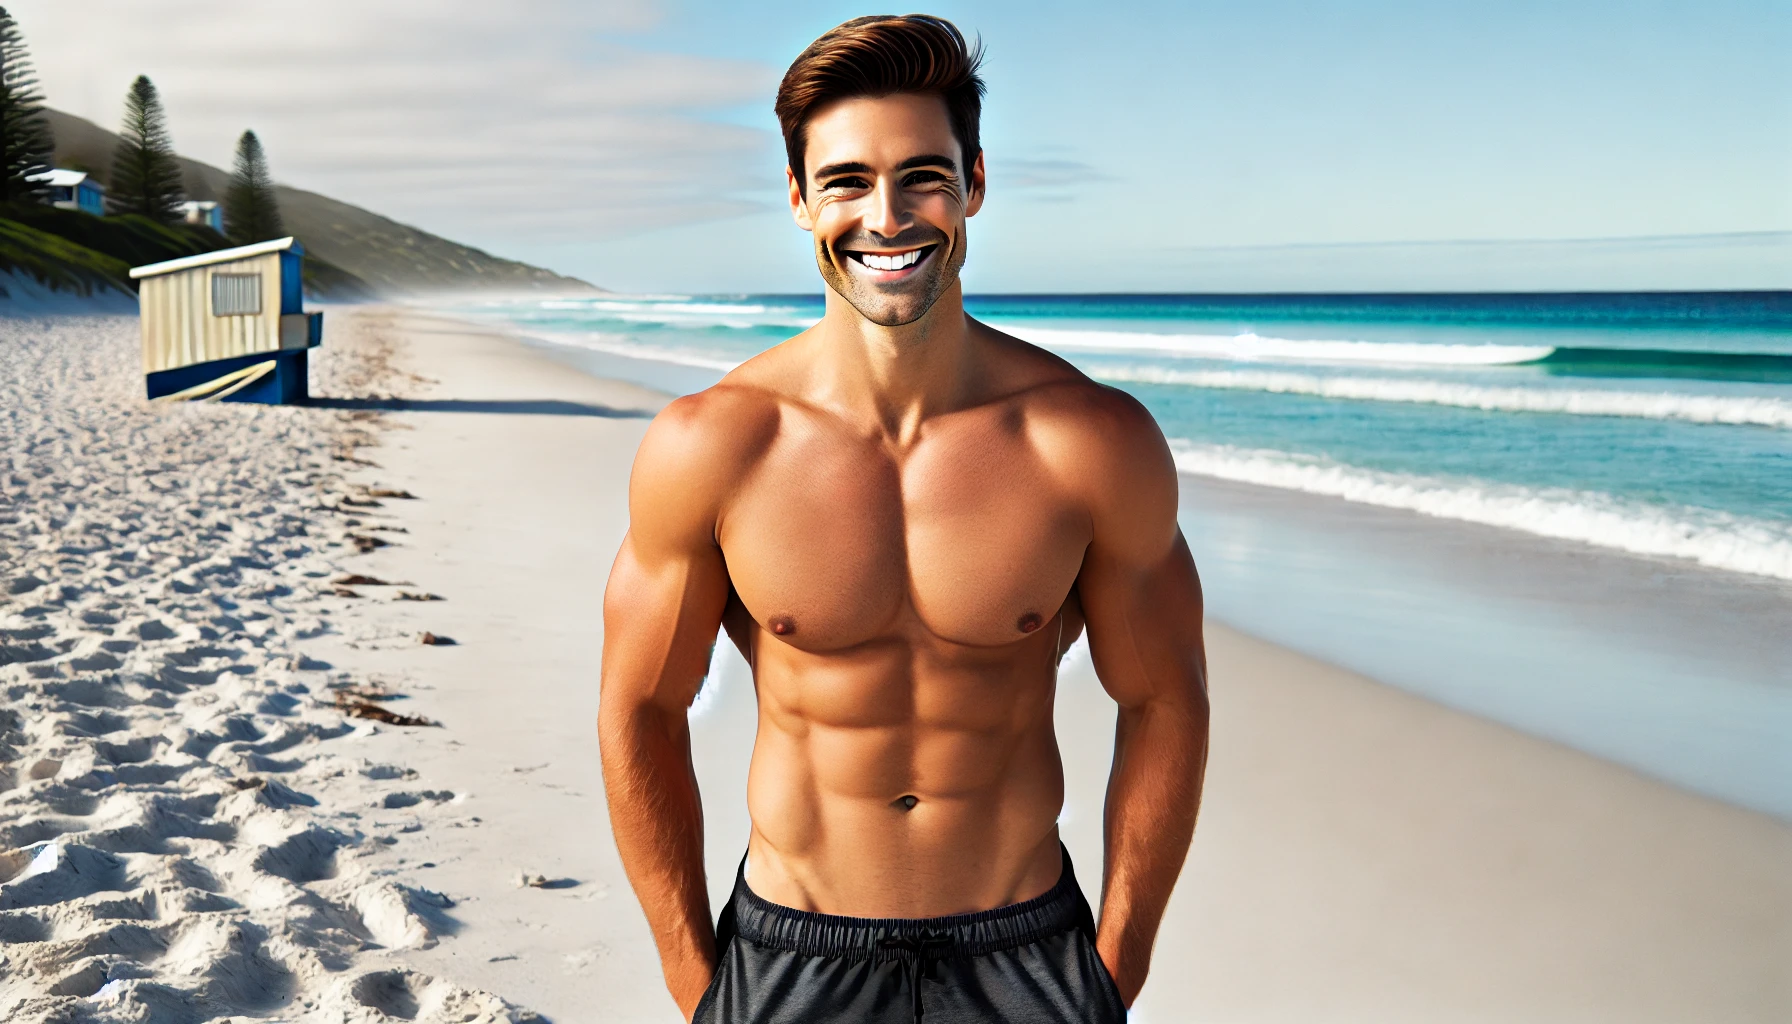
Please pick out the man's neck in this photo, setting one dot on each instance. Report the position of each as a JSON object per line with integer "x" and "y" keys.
{"x": 893, "y": 379}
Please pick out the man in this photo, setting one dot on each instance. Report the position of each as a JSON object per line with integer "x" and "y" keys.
{"x": 903, "y": 518}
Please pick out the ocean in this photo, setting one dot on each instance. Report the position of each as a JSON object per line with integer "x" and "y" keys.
{"x": 1569, "y": 513}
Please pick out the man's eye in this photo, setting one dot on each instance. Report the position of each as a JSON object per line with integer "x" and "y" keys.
{"x": 847, "y": 183}
{"x": 923, "y": 178}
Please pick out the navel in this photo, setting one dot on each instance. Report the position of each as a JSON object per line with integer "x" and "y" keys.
{"x": 1030, "y": 622}
{"x": 783, "y": 625}
{"x": 906, "y": 803}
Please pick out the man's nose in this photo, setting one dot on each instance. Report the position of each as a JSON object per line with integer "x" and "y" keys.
{"x": 883, "y": 215}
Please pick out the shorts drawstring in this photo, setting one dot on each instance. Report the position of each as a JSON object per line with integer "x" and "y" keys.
{"x": 921, "y": 952}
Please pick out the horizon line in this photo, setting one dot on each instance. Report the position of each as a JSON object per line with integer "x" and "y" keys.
{"x": 1785, "y": 233}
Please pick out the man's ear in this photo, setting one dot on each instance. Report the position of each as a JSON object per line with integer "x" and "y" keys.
{"x": 973, "y": 200}
{"x": 798, "y": 209}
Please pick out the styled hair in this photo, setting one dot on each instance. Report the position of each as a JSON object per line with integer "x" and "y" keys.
{"x": 880, "y": 55}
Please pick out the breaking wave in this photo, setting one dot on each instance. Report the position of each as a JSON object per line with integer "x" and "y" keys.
{"x": 687, "y": 313}
{"x": 1739, "y": 411}
{"x": 637, "y": 350}
{"x": 1251, "y": 348}
{"x": 1714, "y": 539}
{"x": 1761, "y": 367}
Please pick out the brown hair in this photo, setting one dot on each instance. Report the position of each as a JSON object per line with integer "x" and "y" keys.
{"x": 879, "y": 55}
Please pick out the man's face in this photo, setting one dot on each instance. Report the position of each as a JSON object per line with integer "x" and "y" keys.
{"x": 887, "y": 196}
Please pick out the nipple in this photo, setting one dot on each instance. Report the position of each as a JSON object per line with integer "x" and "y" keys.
{"x": 907, "y": 803}
{"x": 1030, "y": 622}
{"x": 783, "y": 625}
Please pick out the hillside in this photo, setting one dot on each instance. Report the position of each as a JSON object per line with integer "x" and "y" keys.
{"x": 27, "y": 253}
{"x": 389, "y": 257}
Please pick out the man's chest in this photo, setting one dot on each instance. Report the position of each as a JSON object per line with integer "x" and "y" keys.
{"x": 833, "y": 543}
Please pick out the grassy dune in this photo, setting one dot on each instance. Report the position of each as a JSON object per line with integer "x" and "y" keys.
{"x": 59, "y": 264}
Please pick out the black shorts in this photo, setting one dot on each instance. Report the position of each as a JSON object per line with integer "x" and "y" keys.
{"x": 1021, "y": 964}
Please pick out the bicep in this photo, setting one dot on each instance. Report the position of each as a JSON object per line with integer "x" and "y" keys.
{"x": 668, "y": 587}
{"x": 661, "y": 615}
{"x": 1144, "y": 623}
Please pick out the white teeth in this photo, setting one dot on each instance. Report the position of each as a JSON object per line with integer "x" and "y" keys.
{"x": 897, "y": 262}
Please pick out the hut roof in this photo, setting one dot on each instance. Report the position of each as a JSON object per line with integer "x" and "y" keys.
{"x": 61, "y": 177}
{"x": 241, "y": 252}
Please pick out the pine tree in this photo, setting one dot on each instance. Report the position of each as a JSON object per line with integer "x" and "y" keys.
{"x": 250, "y": 213}
{"x": 145, "y": 178}
{"x": 249, "y": 208}
{"x": 25, "y": 143}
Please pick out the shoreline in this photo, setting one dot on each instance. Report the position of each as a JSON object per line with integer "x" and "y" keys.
{"x": 1362, "y": 852}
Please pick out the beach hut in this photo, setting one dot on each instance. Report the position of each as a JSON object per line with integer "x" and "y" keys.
{"x": 73, "y": 190}
{"x": 205, "y": 212}
{"x": 228, "y": 325}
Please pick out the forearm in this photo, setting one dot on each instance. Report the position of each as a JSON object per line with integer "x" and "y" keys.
{"x": 656, "y": 816}
{"x": 1154, "y": 792}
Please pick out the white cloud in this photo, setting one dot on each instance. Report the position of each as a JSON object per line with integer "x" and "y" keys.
{"x": 496, "y": 123}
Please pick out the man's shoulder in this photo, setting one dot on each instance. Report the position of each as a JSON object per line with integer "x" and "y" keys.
{"x": 710, "y": 429}
{"x": 1063, "y": 401}
{"x": 1101, "y": 441}
{"x": 702, "y": 445}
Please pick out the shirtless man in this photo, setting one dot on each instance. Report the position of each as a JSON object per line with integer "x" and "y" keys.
{"x": 903, "y": 518}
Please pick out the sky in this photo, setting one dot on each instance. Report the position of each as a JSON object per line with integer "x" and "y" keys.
{"x": 1143, "y": 146}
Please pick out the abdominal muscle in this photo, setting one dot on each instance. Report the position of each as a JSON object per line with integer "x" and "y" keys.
{"x": 896, "y": 782}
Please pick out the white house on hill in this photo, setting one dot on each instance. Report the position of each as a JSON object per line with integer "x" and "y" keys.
{"x": 74, "y": 190}
{"x": 204, "y": 212}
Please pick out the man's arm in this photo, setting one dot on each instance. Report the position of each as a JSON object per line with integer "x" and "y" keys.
{"x": 1141, "y": 599}
{"x": 662, "y": 608}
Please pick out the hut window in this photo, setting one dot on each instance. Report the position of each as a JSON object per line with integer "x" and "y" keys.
{"x": 236, "y": 294}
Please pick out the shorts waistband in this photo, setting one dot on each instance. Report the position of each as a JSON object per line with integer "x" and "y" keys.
{"x": 764, "y": 923}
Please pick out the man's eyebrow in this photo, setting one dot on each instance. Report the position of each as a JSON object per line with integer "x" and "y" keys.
{"x": 854, "y": 167}
{"x": 846, "y": 168}
{"x": 928, "y": 160}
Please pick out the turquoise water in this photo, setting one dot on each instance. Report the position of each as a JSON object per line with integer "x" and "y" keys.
{"x": 1633, "y": 451}
{"x": 1653, "y": 426}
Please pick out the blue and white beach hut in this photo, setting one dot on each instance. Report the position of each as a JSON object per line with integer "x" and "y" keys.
{"x": 204, "y": 211}
{"x": 228, "y": 325}
{"x": 73, "y": 190}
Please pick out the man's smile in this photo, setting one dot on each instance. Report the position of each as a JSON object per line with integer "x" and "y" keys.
{"x": 889, "y": 265}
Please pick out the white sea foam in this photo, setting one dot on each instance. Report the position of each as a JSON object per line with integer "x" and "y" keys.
{"x": 712, "y": 308}
{"x": 1741, "y": 411}
{"x": 635, "y": 350}
{"x": 686, "y": 313}
{"x": 1713, "y": 539}
{"x": 1251, "y": 348}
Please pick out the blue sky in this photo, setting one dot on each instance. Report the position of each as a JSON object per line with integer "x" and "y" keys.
{"x": 1132, "y": 146}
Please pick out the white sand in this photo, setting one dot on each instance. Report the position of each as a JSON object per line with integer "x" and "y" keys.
{"x": 188, "y": 831}
{"x": 1364, "y": 855}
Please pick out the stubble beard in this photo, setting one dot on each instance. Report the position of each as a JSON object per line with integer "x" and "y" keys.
{"x": 900, "y": 304}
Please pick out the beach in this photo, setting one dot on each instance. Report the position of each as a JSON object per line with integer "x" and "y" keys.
{"x": 225, "y": 840}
